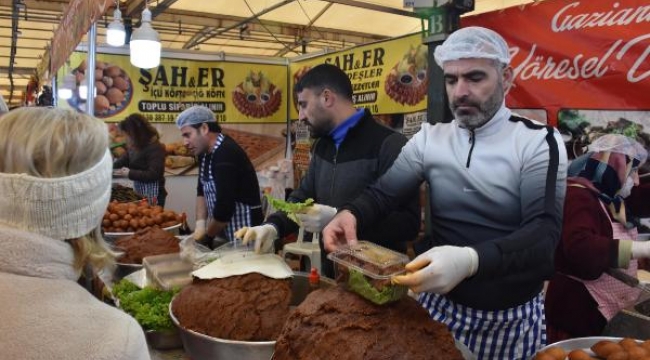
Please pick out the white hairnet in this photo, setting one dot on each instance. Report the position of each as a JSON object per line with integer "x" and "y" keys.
{"x": 195, "y": 115}
{"x": 621, "y": 144}
{"x": 473, "y": 43}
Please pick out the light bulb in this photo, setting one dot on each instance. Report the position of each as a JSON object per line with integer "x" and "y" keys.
{"x": 83, "y": 92}
{"x": 115, "y": 33}
{"x": 65, "y": 90}
{"x": 145, "y": 44}
{"x": 64, "y": 93}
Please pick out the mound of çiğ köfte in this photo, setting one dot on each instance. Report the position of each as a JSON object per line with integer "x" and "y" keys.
{"x": 249, "y": 307}
{"x": 339, "y": 325}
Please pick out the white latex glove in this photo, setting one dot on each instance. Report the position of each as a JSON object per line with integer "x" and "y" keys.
{"x": 263, "y": 235}
{"x": 440, "y": 269}
{"x": 640, "y": 249}
{"x": 316, "y": 218}
{"x": 121, "y": 172}
{"x": 199, "y": 229}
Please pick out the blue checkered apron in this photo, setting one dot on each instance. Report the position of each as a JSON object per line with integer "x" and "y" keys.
{"x": 515, "y": 333}
{"x": 242, "y": 215}
{"x": 147, "y": 189}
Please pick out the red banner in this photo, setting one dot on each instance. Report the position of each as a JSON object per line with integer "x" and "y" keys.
{"x": 576, "y": 54}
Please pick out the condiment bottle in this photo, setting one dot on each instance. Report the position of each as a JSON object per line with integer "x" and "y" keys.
{"x": 314, "y": 280}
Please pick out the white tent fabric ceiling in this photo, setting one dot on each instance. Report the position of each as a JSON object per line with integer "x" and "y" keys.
{"x": 264, "y": 28}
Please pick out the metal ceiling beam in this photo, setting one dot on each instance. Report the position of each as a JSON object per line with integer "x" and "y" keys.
{"x": 215, "y": 22}
{"x": 17, "y": 70}
{"x": 161, "y": 7}
{"x": 200, "y": 39}
{"x": 375, "y": 7}
{"x": 300, "y": 41}
{"x": 134, "y": 8}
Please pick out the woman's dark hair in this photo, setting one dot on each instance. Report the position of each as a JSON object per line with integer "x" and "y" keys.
{"x": 141, "y": 132}
{"x": 212, "y": 126}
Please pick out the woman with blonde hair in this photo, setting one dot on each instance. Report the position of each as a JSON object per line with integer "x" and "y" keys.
{"x": 55, "y": 184}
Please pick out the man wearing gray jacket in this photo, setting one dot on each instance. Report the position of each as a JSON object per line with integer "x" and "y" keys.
{"x": 497, "y": 184}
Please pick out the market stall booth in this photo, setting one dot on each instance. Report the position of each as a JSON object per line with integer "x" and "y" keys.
{"x": 252, "y": 95}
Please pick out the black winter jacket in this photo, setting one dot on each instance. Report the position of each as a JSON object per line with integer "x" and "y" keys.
{"x": 336, "y": 177}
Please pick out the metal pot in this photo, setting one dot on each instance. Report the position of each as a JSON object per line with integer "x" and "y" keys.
{"x": 122, "y": 270}
{"x": 164, "y": 340}
{"x": 199, "y": 346}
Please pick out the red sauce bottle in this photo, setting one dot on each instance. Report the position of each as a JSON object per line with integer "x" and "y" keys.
{"x": 314, "y": 280}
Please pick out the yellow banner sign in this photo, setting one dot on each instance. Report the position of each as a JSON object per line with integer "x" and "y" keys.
{"x": 387, "y": 77}
{"x": 235, "y": 92}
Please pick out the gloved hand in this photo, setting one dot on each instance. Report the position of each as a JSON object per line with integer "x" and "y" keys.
{"x": 641, "y": 250}
{"x": 263, "y": 235}
{"x": 440, "y": 269}
{"x": 199, "y": 229}
{"x": 206, "y": 241}
{"x": 122, "y": 172}
{"x": 316, "y": 218}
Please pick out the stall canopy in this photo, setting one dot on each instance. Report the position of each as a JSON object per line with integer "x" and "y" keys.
{"x": 264, "y": 28}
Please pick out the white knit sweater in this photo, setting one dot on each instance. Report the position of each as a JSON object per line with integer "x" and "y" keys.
{"x": 45, "y": 314}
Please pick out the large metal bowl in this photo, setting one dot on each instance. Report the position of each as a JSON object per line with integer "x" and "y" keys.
{"x": 199, "y": 346}
{"x": 111, "y": 237}
{"x": 123, "y": 270}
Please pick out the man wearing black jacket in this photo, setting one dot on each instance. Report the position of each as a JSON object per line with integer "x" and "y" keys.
{"x": 351, "y": 151}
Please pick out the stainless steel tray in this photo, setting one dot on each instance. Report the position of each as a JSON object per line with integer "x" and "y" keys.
{"x": 583, "y": 343}
{"x": 168, "y": 271}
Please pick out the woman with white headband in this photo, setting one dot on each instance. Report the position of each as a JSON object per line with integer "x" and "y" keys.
{"x": 55, "y": 184}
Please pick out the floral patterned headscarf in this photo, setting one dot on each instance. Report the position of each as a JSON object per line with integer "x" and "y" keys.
{"x": 611, "y": 160}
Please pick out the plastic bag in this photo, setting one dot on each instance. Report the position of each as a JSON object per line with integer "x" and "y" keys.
{"x": 199, "y": 255}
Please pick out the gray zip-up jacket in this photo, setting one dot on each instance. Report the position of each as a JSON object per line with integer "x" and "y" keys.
{"x": 338, "y": 176}
{"x": 499, "y": 189}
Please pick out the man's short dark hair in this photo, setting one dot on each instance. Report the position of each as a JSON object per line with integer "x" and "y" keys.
{"x": 326, "y": 76}
{"x": 212, "y": 126}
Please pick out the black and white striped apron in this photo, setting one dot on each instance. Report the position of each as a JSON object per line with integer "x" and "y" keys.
{"x": 515, "y": 333}
{"x": 242, "y": 215}
{"x": 147, "y": 189}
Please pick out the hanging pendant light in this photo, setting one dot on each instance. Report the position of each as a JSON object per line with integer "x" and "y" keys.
{"x": 115, "y": 33}
{"x": 145, "y": 44}
{"x": 65, "y": 90}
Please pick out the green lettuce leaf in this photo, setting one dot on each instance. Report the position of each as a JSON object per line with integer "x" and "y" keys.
{"x": 291, "y": 209}
{"x": 149, "y": 306}
{"x": 358, "y": 283}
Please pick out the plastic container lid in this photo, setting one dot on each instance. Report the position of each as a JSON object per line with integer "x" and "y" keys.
{"x": 168, "y": 270}
{"x": 371, "y": 259}
{"x": 234, "y": 251}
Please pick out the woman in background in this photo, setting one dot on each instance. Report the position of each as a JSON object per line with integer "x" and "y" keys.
{"x": 596, "y": 237}
{"x": 144, "y": 161}
{"x": 55, "y": 184}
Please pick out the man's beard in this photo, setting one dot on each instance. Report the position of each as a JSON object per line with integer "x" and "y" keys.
{"x": 321, "y": 128}
{"x": 485, "y": 112}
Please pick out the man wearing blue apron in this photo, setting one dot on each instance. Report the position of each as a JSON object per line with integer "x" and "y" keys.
{"x": 228, "y": 194}
{"x": 497, "y": 183}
